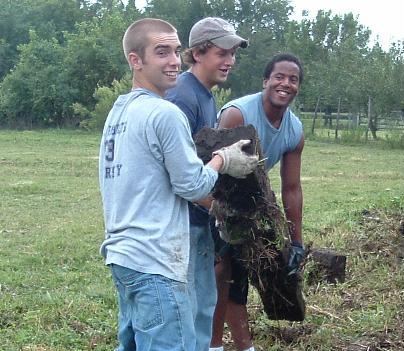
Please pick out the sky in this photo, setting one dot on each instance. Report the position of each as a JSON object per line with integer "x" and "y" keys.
{"x": 384, "y": 18}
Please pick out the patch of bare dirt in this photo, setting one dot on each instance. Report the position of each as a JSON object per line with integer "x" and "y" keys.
{"x": 381, "y": 235}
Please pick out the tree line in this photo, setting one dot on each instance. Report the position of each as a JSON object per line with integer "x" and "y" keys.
{"x": 61, "y": 61}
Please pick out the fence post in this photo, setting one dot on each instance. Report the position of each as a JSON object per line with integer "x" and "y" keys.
{"x": 315, "y": 115}
{"x": 337, "y": 121}
{"x": 369, "y": 120}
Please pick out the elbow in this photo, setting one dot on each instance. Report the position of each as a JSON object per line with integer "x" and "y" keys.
{"x": 192, "y": 194}
{"x": 196, "y": 189}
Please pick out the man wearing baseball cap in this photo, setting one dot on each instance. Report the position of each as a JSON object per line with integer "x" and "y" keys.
{"x": 218, "y": 31}
{"x": 213, "y": 43}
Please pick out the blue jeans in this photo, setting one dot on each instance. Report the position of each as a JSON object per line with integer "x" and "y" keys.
{"x": 202, "y": 283}
{"x": 155, "y": 313}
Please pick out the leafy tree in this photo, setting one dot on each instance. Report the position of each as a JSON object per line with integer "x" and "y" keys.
{"x": 332, "y": 50}
{"x": 74, "y": 48}
{"x": 250, "y": 16}
{"x": 12, "y": 32}
{"x": 48, "y": 18}
{"x": 222, "y": 96}
{"x": 100, "y": 8}
{"x": 36, "y": 91}
{"x": 247, "y": 75}
{"x": 396, "y": 56}
{"x": 182, "y": 14}
{"x": 263, "y": 22}
{"x": 105, "y": 97}
{"x": 94, "y": 56}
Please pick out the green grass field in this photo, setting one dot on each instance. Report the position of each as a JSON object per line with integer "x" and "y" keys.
{"x": 56, "y": 294}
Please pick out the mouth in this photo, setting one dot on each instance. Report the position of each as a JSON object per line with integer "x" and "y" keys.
{"x": 224, "y": 70}
{"x": 283, "y": 93}
{"x": 171, "y": 74}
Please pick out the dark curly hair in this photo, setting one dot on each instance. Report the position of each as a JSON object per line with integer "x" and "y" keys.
{"x": 283, "y": 57}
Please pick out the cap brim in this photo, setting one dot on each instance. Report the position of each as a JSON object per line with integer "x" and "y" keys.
{"x": 230, "y": 41}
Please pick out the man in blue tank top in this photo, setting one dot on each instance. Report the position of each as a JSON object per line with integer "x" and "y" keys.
{"x": 211, "y": 55}
{"x": 281, "y": 137}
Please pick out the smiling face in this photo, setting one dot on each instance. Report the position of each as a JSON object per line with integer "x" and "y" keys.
{"x": 159, "y": 67}
{"x": 282, "y": 85}
{"x": 213, "y": 66}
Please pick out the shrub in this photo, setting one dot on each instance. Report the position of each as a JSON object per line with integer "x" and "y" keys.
{"x": 105, "y": 97}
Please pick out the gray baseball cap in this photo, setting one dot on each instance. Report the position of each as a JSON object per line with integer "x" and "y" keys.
{"x": 216, "y": 30}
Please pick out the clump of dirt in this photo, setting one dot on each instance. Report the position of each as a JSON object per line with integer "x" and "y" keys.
{"x": 247, "y": 214}
{"x": 381, "y": 234}
{"x": 289, "y": 335}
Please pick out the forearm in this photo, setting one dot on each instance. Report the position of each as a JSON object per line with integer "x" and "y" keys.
{"x": 293, "y": 205}
{"x": 215, "y": 163}
{"x": 205, "y": 202}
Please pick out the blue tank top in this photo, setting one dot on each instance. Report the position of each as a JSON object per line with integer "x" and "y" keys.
{"x": 274, "y": 142}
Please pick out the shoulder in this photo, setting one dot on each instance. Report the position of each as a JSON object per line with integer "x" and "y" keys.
{"x": 236, "y": 112}
{"x": 293, "y": 116}
{"x": 155, "y": 108}
{"x": 166, "y": 108}
{"x": 244, "y": 100}
{"x": 294, "y": 122}
{"x": 185, "y": 90}
{"x": 296, "y": 131}
{"x": 231, "y": 117}
{"x": 241, "y": 102}
{"x": 166, "y": 120}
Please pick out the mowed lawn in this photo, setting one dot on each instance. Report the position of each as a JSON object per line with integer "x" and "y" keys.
{"x": 56, "y": 294}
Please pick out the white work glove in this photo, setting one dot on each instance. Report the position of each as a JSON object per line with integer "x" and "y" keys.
{"x": 236, "y": 162}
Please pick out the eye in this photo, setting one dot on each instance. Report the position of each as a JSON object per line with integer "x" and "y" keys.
{"x": 162, "y": 53}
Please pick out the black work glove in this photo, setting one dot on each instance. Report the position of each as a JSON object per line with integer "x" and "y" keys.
{"x": 297, "y": 254}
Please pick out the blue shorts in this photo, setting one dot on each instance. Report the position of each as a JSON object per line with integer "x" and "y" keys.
{"x": 155, "y": 313}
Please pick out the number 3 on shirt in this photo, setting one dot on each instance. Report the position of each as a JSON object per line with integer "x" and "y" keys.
{"x": 109, "y": 150}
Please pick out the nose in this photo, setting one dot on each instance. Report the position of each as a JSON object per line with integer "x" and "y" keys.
{"x": 285, "y": 81}
{"x": 230, "y": 59}
{"x": 175, "y": 59}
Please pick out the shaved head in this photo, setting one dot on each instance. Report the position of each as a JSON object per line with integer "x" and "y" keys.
{"x": 136, "y": 37}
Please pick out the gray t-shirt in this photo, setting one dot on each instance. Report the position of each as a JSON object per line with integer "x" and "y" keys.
{"x": 148, "y": 170}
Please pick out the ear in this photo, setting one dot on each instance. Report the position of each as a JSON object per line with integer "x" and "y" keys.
{"x": 135, "y": 61}
{"x": 197, "y": 55}
{"x": 264, "y": 83}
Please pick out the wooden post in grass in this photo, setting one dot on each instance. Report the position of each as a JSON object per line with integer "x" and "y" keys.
{"x": 313, "y": 124}
{"x": 372, "y": 123}
{"x": 369, "y": 120}
{"x": 338, "y": 117}
{"x": 328, "y": 266}
{"x": 256, "y": 224}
